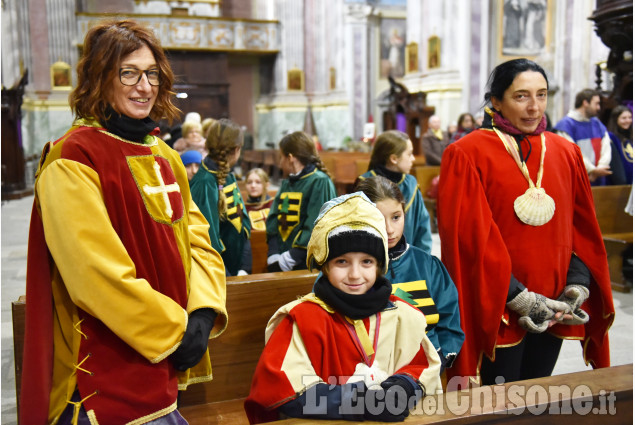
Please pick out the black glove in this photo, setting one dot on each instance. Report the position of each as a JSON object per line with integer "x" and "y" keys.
{"x": 396, "y": 397}
{"x": 194, "y": 342}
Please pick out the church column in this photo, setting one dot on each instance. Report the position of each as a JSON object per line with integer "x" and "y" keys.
{"x": 447, "y": 84}
{"x": 62, "y": 30}
{"x": 39, "y": 68}
{"x": 358, "y": 74}
{"x": 281, "y": 109}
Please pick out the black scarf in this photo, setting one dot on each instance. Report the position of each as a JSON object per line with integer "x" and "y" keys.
{"x": 128, "y": 128}
{"x": 306, "y": 170}
{"x": 354, "y": 306}
{"x": 393, "y": 176}
{"x": 397, "y": 251}
{"x": 210, "y": 163}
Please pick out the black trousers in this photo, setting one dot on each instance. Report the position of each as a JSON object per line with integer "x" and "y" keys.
{"x": 534, "y": 357}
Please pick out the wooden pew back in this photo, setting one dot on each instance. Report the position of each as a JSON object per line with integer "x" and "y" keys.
{"x": 251, "y": 301}
{"x": 424, "y": 175}
{"x": 617, "y": 230}
{"x": 343, "y": 168}
{"x": 259, "y": 249}
{"x": 609, "y": 209}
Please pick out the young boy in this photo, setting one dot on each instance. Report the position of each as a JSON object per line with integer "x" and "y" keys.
{"x": 349, "y": 350}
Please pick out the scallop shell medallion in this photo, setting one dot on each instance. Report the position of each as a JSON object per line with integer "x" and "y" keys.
{"x": 534, "y": 207}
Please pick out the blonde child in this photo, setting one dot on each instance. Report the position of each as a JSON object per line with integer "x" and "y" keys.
{"x": 258, "y": 201}
{"x": 392, "y": 158}
{"x": 192, "y": 138}
{"x": 349, "y": 350}
{"x": 215, "y": 191}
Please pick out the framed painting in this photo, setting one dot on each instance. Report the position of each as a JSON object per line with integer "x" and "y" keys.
{"x": 295, "y": 80}
{"x": 61, "y": 76}
{"x": 412, "y": 57}
{"x": 332, "y": 78}
{"x": 524, "y": 28}
{"x": 434, "y": 52}
{"x": 392, "y": 50}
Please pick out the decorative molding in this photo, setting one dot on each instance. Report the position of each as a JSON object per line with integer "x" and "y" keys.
{"x": 201, "y": 33}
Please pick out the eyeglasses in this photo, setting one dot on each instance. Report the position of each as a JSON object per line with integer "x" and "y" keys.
{"x": 132, "y": 76}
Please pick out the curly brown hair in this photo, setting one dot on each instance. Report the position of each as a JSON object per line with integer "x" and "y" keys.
{"x": 105, "y": 46}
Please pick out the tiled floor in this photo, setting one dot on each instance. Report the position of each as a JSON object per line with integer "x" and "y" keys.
{"x": 15, "y": 221}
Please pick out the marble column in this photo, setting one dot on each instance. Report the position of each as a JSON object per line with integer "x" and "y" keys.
{"x": 358, "y": 22}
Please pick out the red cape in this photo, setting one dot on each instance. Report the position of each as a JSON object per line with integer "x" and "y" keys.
{"x": 483, "y": 242}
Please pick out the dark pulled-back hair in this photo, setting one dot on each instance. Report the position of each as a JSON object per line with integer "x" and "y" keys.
{"x": 388, "y": 143}
{"x": 300, "y": 145}
{"x": 105, "y": 46}
{"x": 379, "y": 188}
{"x": 504, "y": 74}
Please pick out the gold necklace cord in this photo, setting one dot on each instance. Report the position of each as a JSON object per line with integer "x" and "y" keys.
{"x": 521, "y": 164}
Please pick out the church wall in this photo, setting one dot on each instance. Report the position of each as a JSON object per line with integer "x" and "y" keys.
{"x": 242, "y": 78}
{"x": 315, "y": 37}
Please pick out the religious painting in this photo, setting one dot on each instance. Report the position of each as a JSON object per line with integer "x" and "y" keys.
{"x": 61, "y": 76}
{"x": 295, "y": 80}
{"x": 524, "y": 27}
{"x": 412, "y": 57}
{"x": 392, "y": 39}
{"x": 434, "y": 52}
{"x": 332, "y": 78}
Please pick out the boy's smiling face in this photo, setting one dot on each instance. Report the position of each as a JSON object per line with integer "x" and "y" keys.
{"x": 353, "y": 273}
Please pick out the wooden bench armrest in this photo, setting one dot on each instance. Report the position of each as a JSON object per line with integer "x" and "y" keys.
{"x": 618, "y": 237}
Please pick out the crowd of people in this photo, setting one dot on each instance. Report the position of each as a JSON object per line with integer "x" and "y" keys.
{"x": 131, "y": 241}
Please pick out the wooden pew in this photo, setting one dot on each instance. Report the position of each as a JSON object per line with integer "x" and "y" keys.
{"x": 343, "y": 168}
{"x": 251, "y": 300}
{"x": 424, "y": 175}
{"x": 259, "y": 249}
{"x": 553, "y": 400}
{"x": 617, "y": 229}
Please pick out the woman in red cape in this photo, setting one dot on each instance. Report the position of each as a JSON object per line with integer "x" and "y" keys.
{"x": 520, "y": 238}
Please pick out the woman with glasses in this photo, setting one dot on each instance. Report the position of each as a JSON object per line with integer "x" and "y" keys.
{"x": 123, "y": 286}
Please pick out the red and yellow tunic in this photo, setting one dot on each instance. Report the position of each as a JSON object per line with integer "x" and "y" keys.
{"x": 307, "y": 343}
{"x": 483, "y": 242}
{"x": 118, "y": 256}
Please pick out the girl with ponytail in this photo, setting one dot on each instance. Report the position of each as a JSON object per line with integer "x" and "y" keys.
{"x": 297, "y": 203}
{"x": 215, "y": 191}
{"x": 392, "y": 158}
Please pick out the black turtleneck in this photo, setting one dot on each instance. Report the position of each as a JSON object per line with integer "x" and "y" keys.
{"x": 128, "y": 128}
{"x": 306, "y": 170}
{"x": 393, "y": 176}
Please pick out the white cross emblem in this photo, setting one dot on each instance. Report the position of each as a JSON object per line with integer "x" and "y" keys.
{"x": 162, "y": 189}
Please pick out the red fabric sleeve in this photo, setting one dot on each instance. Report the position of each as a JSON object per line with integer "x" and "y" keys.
{"x": 475, "y": 255}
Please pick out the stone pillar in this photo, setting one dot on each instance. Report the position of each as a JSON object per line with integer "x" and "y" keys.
{"x": 40, "y": 60}
{"x": 358, "y": 22}
{"x": 62, "y": 30}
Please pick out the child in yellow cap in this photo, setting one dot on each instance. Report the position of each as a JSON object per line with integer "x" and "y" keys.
{"x": 348, "y": 350}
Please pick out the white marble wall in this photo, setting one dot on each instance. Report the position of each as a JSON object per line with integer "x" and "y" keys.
{"x": 316, "y": 35}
